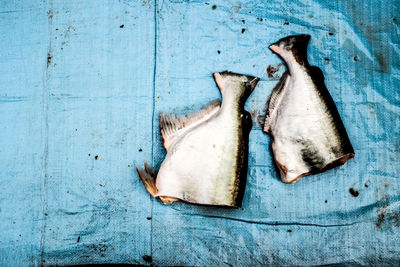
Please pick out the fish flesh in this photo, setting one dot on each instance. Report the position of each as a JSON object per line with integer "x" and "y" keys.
{"x": 206, "y": 161}
{"x": 308, "y": 135}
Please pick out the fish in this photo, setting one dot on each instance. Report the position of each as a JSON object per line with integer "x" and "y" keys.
{"x": 207, "y": 152}
{"x": 307, "y": 132}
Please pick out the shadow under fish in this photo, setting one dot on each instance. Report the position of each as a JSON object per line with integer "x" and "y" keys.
{"x": 207, "y": 152}
{"x": 308, "y": 135}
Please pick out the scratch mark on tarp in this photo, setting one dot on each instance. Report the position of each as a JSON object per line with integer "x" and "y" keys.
{"x": 272, "y": 223}
{"x": 44, "y": 163}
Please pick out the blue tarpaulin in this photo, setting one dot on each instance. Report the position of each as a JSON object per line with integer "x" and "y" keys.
{"x": 82, "y": 86}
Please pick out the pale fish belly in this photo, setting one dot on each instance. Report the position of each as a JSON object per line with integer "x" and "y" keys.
{"x": 306, "y": 138}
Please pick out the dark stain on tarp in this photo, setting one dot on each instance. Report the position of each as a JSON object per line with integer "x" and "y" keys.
{"x": 382, "y": 211}
{"x": 381, "y": 218}
{"x": 49, "y": 57}
{"x": 147, "y": 258}
{"x": 371, "y": 30}
{"x": 354, "y": 192}
{"x": 50, "y": 14}
{"x": 382, "y": 58}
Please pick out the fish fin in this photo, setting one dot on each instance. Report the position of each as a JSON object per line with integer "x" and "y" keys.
{"x": 148, "y": 178}
{"x": 168, "y": 200}
{"x": 173, "y": 126}
{"x": 274, "y": 99}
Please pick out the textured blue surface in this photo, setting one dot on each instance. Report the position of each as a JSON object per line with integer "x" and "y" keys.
{"x": 76, "y": 84}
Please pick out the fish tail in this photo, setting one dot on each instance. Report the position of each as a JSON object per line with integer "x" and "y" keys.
{"x": 227, "y": 80}
{"x": 148, "y": 178}
{"x": 295, "y": 45}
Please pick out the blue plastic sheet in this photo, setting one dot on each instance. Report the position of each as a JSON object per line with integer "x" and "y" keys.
{"x": 83, "y": 83}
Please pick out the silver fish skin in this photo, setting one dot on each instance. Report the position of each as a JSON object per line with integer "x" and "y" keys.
{"x": 308, "y": 135}
{"x": 207, "y": 152}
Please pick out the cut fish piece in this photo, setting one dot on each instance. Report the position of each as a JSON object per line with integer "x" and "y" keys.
{"x": 308, "y": 135}
{"x": 206, "y": 161}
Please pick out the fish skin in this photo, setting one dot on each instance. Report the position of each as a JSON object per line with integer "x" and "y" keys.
{"x": 308, "y": 135}
{"x": 207, "y": 153}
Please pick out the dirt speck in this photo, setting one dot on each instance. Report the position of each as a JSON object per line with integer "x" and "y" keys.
{"x": 148, "y": 218}
{"x": 49, "y": 57}
{"x": 289, "y": 231}
{"x": 147, "y": 258}
{"x": 243, "y": 30}
{"x": 381, "y": 218}
{"x": 218, "y": 51}
{"x": 50, "y": 14}
{"x": 214, "y": 7}
{"x": 286, "y": 23}
{"x": 354, "y": 192}
{"x": 122, "y": 26}
{"x": 140, "y": 150}
{"x": 260, "y": 19}
{"x": 97, "y": 157}
{"x": 243, "y": 21}
{"x": 326, "y": 201}
{"x": 366, "y": 184}
{"x": 78, "y": 239}
{"x": 355, "y": 58}
{"x": 330, "y": 33}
